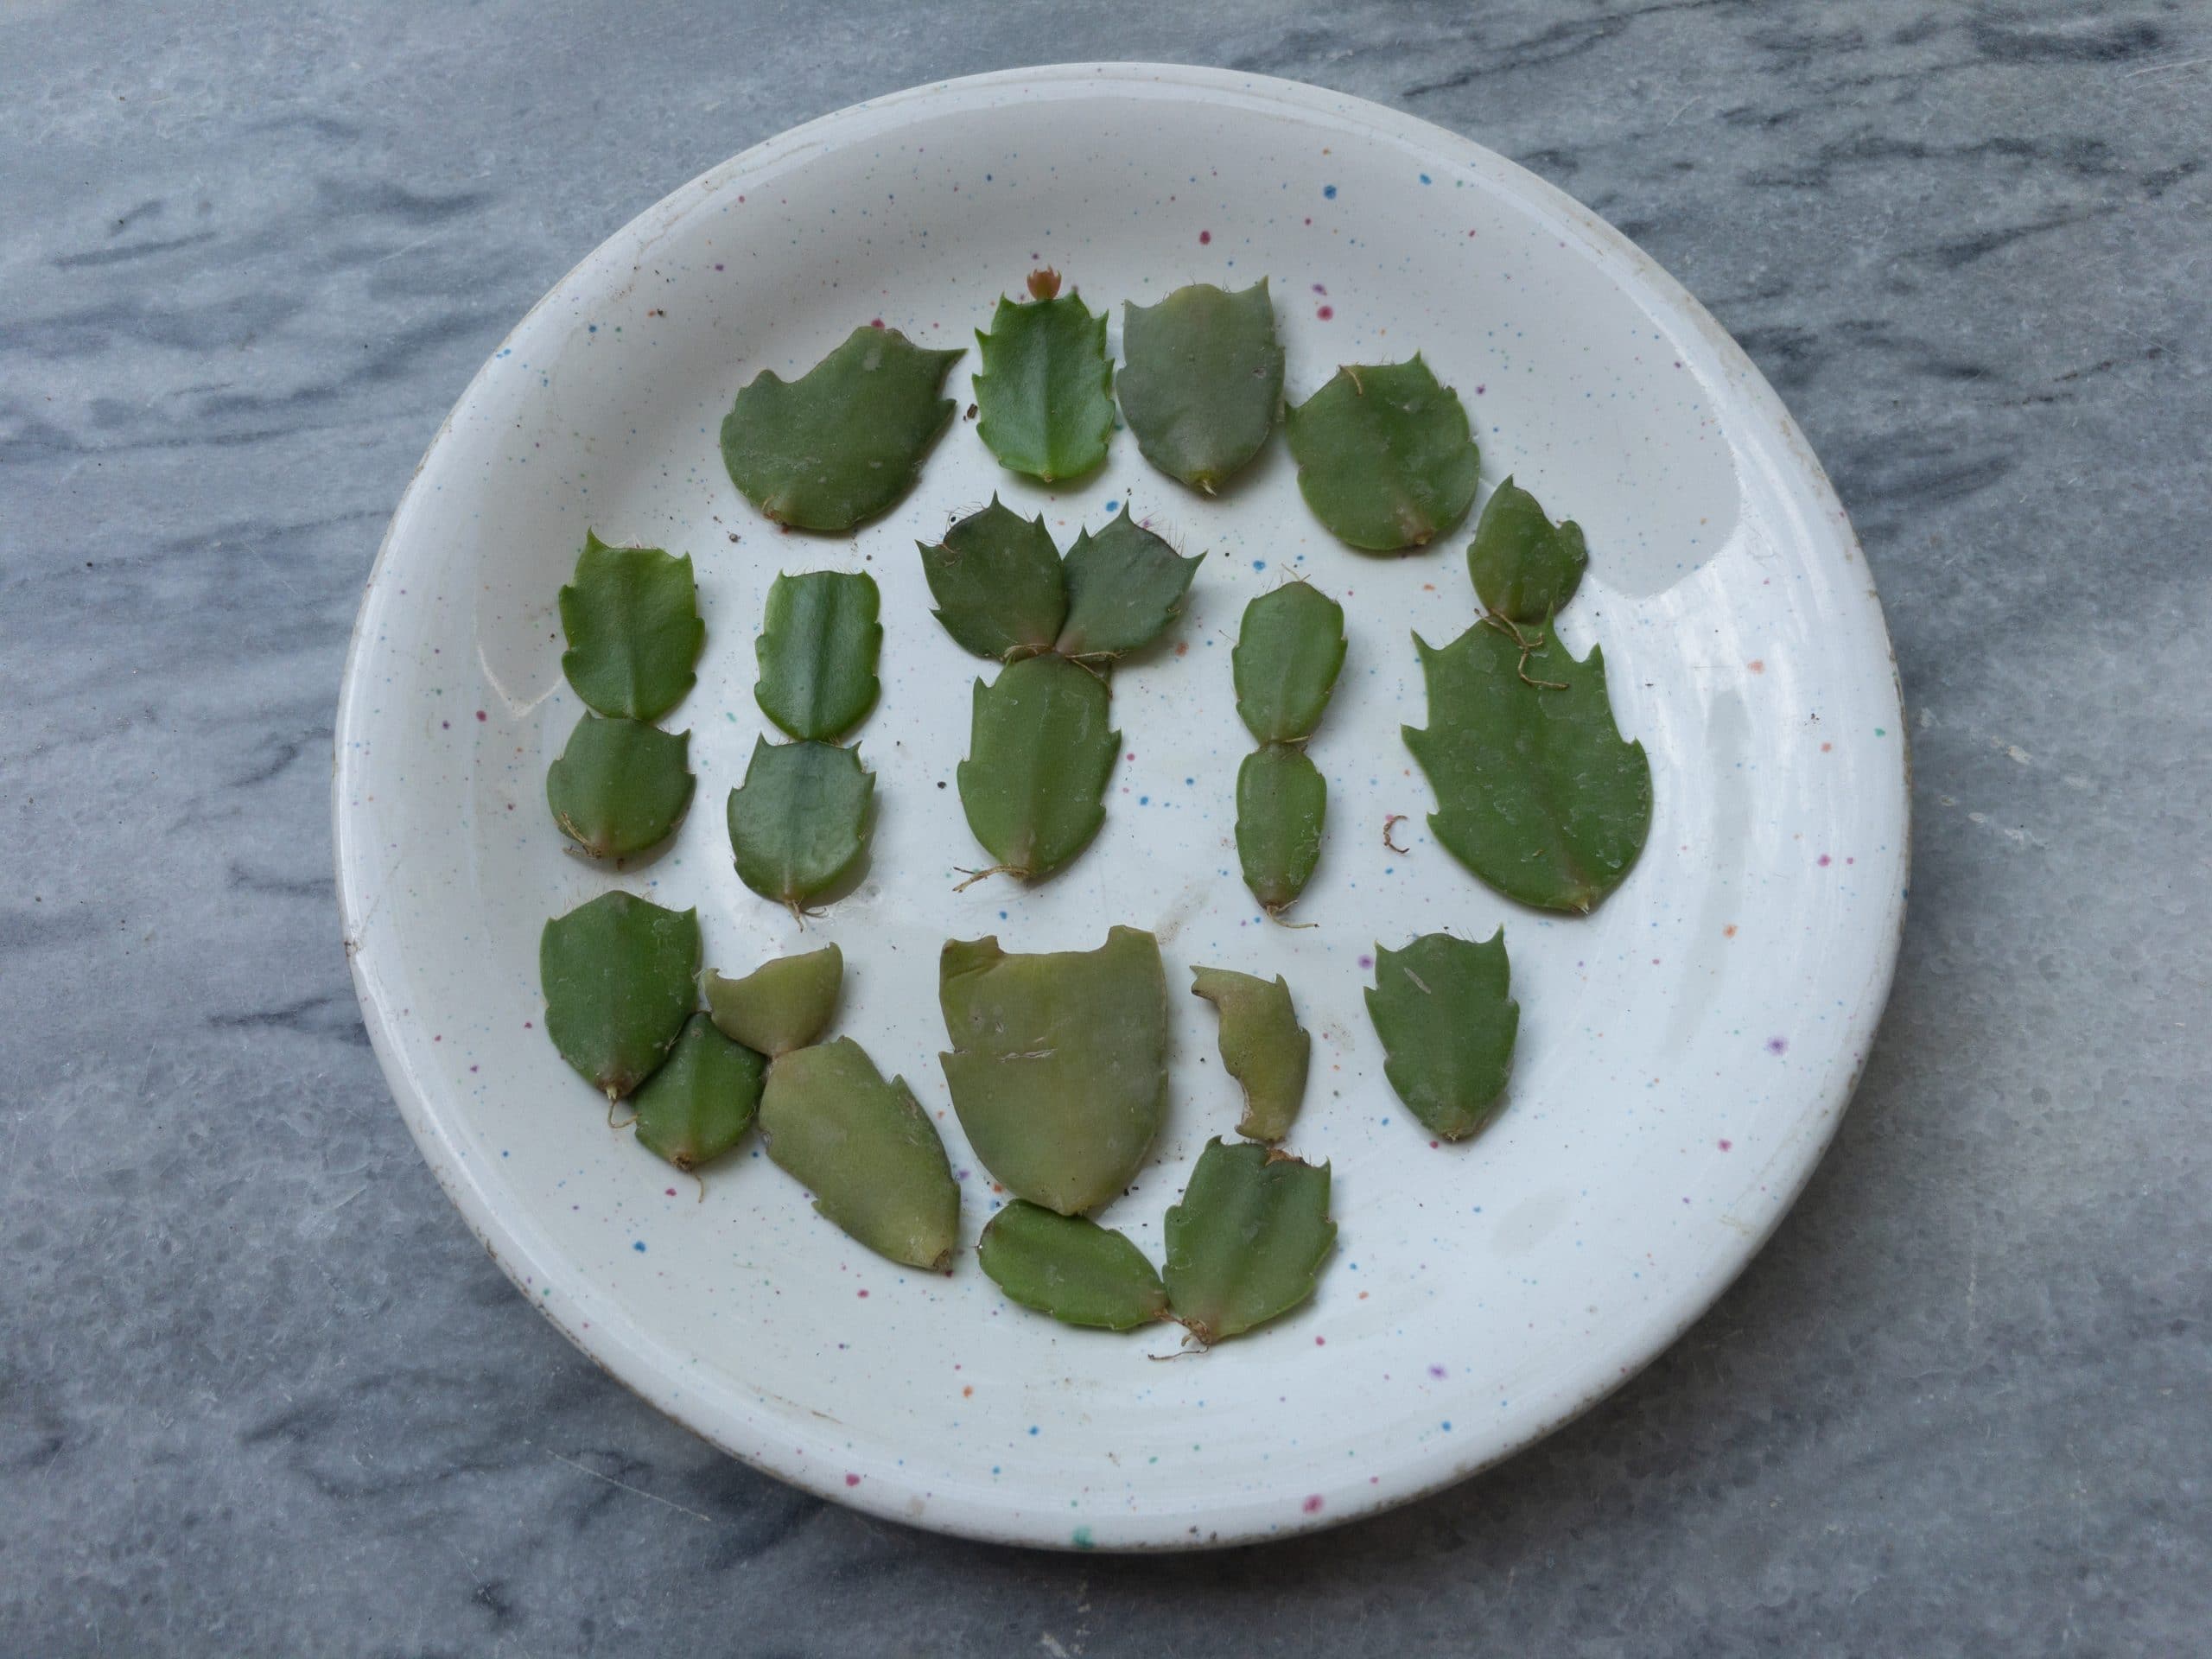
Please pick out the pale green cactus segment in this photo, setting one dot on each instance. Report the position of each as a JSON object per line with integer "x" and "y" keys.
{"x": 1247, "y": 1242}
{"x": 621, "y": 976}
{"x": 846, "y": 439}
{"x": 866, "y": 1150}
{"x": 784, "y": 1004}
{"x": 1059, "y": 1066}
{"x": 817, "y": 652}
{"x": 1040, "y": 751}
{"x": 1289, "y": 650}
{"x": 1525, "y": 568}
{"x": 620, "y": 786}
{"x": 1443, "y": 1009}
{"x": 799, "y": 824}
{"x": 996, "y": 580}
{"x": 1262, "y": 1046}
{"x": 703, "y": 1098}
{"x": 1536, "y": 792}
{"x": 1070, "y": 1267}
{"x": 631, "y": 615}
{"x": 1201, "y": 380}
{"x": 1044, "y": 390}
{"x": 1385, "y": 458}
{"x": 1281, "y": 800}
{"x": 1125, "y": 585}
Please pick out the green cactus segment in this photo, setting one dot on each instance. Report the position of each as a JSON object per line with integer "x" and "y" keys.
{"x": 866, "y": 1150}
{"x": 799, "y": 823}
{"x": 844, "y": 441}
{"x": 700, "y": 1104}
{"x": 997, "y": 583}
{"x": 1289, "y": 650}
{"x": 1384, "y": 457}
{"x": 1040, "y": 751}
{"x": 1044, "y": 390}
{"x": 1059, "y": 1066}
{"x": 1536, "y": 793}
{"x": 620, "y": 786}
{"x": 1525, "y": 567}
{"x": 1442, "y": 1008}
{"x": 621, "y": 976}
{"x": 1247, "y": 1242}
{"x": 1070, "y": 1267}
{"x": 817, "y": 652}
{"x": 631, "y": 619}
{"x": 1201, "y": 379}
{"x": 1281, "y": 800}
{"x": 1125, "y": 584}
{"x": 1262, "y": 1046}
{"x": 781, "y": 1005}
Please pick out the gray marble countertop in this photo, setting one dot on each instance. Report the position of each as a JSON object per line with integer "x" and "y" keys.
{"x": 260, "y": 1392}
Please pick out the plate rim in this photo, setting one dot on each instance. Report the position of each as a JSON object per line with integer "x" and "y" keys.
{"x": 626, "y": 1356}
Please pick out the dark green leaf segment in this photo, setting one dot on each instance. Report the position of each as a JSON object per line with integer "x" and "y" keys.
{"x": 1385, "y": 457}
{"x": 620, "y": 976}
{"x": 1202, "y": 380}
{"x": 1443, "y": 1009}
{"x": 844, "y": 441}
{"x": 1044, "y": 390}
{"x": 1289, "y": 652}
{"x": 1041, "y": 744}
{"x": 798, "y": 823}
{"x": 1246, "y": 1244}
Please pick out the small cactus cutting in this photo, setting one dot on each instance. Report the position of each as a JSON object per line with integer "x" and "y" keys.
{"x": 1262, "y": 1046}
{"x": 1442, "y": 1009}
{"x": 1289, "y": 652}
{"x": 1041, "y": 744}
{"x": 1536, "y": 791}
{"x": 631, "y": 615}
{"x": 799, "y": 823}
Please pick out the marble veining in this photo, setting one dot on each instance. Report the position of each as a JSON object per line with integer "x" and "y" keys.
{"x": 259, "y": 1392}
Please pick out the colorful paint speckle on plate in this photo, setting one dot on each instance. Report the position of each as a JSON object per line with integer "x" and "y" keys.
{"x": 1684, "y": 1052}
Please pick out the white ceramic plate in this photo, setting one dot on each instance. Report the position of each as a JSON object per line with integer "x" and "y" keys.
{"x": 1684, "y": 1054}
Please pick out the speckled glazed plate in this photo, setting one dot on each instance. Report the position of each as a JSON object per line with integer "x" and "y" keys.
{"x": 1685, "y": 1053}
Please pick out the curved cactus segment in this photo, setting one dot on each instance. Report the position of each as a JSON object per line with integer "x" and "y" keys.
{"x": 817, "y": 652}
{"x": 1525, "y": 568}
{"x": 1281, "y": 802}
{"x": 1442, "y": 1008}
{"x": 1289, "y": 650}
{"x": 1059, "y": 1066}
{"x": 799, "y": 823}
{"x": 621, "y": 976}
{"x": 1247, "y": 1242}
{"x": 701, "y": 1100}
{"x": 997, "y": 583}
{"x": 1536, "y": 791}
{"x": 632, "y": 618}
{"x": 1384, "y": 457}
{"x": 866, "y": 1150}
{"x": 620, "y": 786}
{"x": 1045, "y": 389}
{"x": 1124, "y": 585}
{"x": 1040, "y": 751}
{"x": 1201, "y": 379}
{"x": 1070, "y": 1267}
{"x": 844, "y": 441}
{"x": 782, "y": 1005}
{"x": 1262, "y": 1046}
